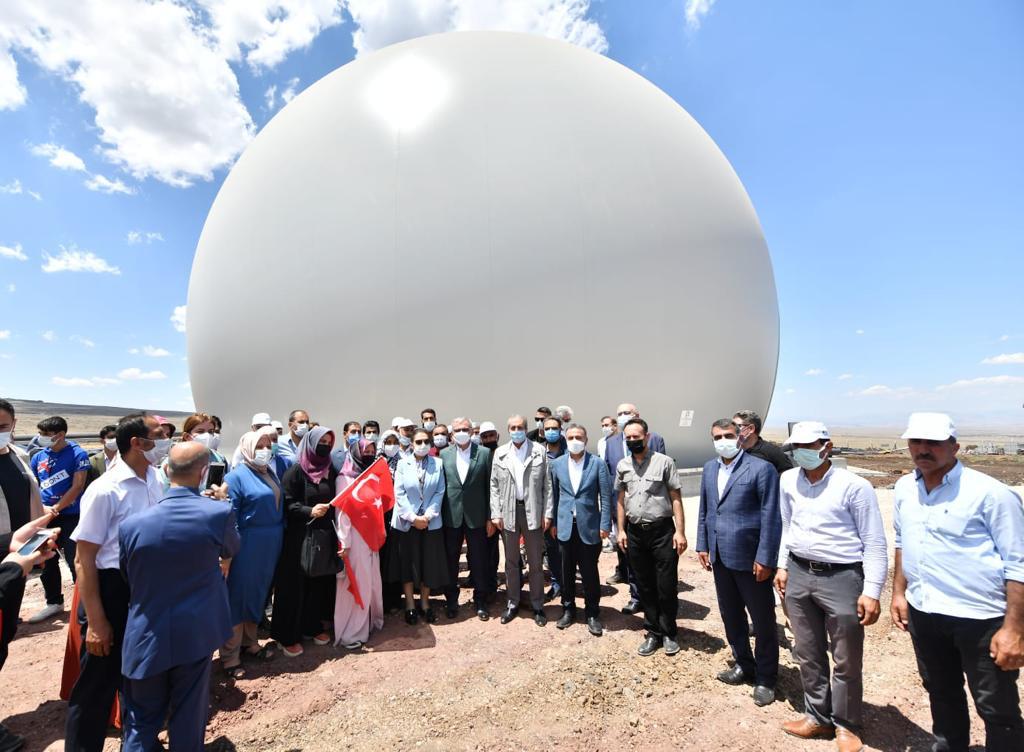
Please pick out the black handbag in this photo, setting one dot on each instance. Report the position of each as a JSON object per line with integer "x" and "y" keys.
{"x": 319, "y": 555}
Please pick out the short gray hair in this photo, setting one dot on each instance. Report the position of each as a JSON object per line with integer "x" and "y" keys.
{"x": 564, "y": 412}
{"x": 749, "y": 416}
{"x": 461, "y": 419}
{"x": 572, "y": 426}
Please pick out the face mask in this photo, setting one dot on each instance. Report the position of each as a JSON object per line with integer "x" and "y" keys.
{"x": 352, "y": 438}
{"x": 390, "y": 450}
{"x": 261, "y": 457}
{"x": 156, "y": 455}
{"x": 421, "y": 450}
{"x": 476, "y": 438}
{"x": 462, "y": 438}
{"x": 727, "y": 448}
{"x": 44, "y": 441}
{"x": 492, "y": 445}
{"x": 404, "y": 440}
{"x": 636, "y": 446}
{"x": 275, "y": 449}
{"x": 808, "y": 459}
{"x": 430, "y": 425}
{"x": 576, "y": 446}
{"x": 622, "y": 420}
{"x": 109, "y": 444}
{"x": 518, "y": 436}
{"x": 5, "y": 439}
{"x": 206, "y": 439}
{"x": 552, "y": 435}
{"x": 371, "y": 437}
{"x": 215, "y": 442}
{"x": 539, "y": 423}
{"x": 301, "y": 429}
{"x": 323, "y": 450}
{"x": 606, "y": 431}
{"x": 440, "y": 441}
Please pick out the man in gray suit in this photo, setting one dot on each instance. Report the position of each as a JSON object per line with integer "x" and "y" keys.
{"x": 520, "y": 502}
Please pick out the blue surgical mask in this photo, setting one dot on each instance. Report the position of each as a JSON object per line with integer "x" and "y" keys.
{"x": 552, "y": 435}
{"x": 274, "y": 449}
{"x": 518, "y": 436}
{"x": 809, "y": 459}
{"x": 352, "y": 438}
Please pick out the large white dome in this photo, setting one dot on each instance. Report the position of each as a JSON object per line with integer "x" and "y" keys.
{"x": 484, "y": 222}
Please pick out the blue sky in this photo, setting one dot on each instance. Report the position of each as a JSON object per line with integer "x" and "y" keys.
{"x": 880, "y": 144}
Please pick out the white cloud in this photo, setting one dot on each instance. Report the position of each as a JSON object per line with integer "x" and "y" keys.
{"x": 791, "y": 391}
{"x": 290, "y": 90}
{"x": 83, "y": 341}
{"x": 12, "y": 93}
{"x": 102, "y": 184}
{"x": 982, "y": 381}
{"x": 696, "y": 11}
{"x": 11, "y": 287}
{"x": 137, "y": 374}
{"x": 5, "y": 333}
{"x": 270, "y": 96}
{"x": 876, "y": 389}
{"x": 814, "y": 372}
{"x": 15, "y": 188}
{"x": 74, "y": 260}
{"x": 135, "y": 237}
{"x": 73, "y": 381}
{"x": 151, "y": 352}
{"x": 996, "y": 360}
{"x": 103, "y": 381}
{"x": 59, "y": 157}
{"x": 844, "y": 377}
{"x": 49, "y": 335}
{"x": 178, "y": 319}
{"x": 881, "y": 390}
{"x": 382, "y": 22}
{"x": 859, "y": 332}
{"x": 14, "y": 252}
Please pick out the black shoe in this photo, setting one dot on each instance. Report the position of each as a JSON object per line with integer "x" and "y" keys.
{"x": 539, "y": 617}
{"x": 429, "y": 616}
{"x": 509, "y": 615}
{"x": 9, "y": 741}
{"x": 481, "y": 613}
{"x": 594, "y": 625}
{"x": 451, "y": 611}
{"x": 735, "y": 677}
{"x": 411, "y": 617}
{"x": 763, "y": 695}
{"x": 551, "y": 594}
{"x": 567, "y": 618}
{"x": 670, "y": 645}
{"x": 649, "y": 646}
{"x": 632, "y": 607}
{"x": 615, "y": 579}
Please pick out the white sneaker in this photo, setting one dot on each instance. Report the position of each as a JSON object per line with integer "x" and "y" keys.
{"x": 53, "y": 609}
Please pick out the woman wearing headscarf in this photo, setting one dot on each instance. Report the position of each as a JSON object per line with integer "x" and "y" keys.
{"x": 255, "y": 494}
{"x": 304, "y": 605}
{"x": 418, "y": 558}
{"x": 388, "y": 448}
{"x": 354, "y": 618}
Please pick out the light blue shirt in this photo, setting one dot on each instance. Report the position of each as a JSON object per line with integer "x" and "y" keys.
{"x": 960, "y": 543}
{"x": 288, "y": 448}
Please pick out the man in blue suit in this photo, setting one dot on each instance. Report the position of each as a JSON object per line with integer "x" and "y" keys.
{"x": 582, "y": 491}
{"x": 738, "y": 534}
{"x": 615, "y": 450}
{"x": 179, "y": 612}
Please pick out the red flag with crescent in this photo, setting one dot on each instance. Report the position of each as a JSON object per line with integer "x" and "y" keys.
{"x": 365, "y": 501}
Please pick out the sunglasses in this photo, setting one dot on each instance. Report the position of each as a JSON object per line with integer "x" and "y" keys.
{"x": 421, "y": 442}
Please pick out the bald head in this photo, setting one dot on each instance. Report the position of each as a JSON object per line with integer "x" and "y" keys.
{"x": 186, "y": 464}
{"x": 627, "y": 407}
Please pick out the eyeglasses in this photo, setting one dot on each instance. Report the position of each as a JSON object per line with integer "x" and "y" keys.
{"x": 421, "y": 442}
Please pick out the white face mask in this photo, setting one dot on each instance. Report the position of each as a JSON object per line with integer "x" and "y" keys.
{"x": 215, "y": 442}
{"x": 440, "y": 441}
{"x": 372, "y": 437}
{"x": 622, "y": 420}
{"x": 430, "y": 425}
{"x": 726, "y": 448}
{"x": 575, "y": 446}
{"x": 390, "y": 450}
{"x": 476, "y": 438}
{"x": 261, "y": 457}
{"x": 157, "y": 454}
{"x": 5, "y": 439}
{"x": 110, "y": 445}
{"x": 301, "y": 429}
{"x": 462, "y": 437}
{"x": 44, "y": 441}
{"x": 606, "y": 431}
{"x": 404, "y": 440}
{"x": 206, "y": 439}
{"x": 421, "y": 451}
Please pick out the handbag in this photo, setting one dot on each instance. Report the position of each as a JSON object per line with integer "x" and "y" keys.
{"x": 319, "y": 554}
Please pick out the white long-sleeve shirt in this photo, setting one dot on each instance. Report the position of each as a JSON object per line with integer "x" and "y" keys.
{"x": 836, "y": 520}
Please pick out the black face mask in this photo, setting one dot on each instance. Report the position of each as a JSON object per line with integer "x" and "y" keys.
{"x": 323, "y": 450}
{"x": 489, "y": 444}
{"x": 636, "y": 446}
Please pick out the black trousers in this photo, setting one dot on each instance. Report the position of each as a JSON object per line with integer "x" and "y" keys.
{"x": 947, "y": 649}
{"x": 554, "y": 553}
{"x": 738, "y": 592}
{"x": 51, "y": 569}
{"x": 99, "y": 679}
{"x": 584, "y": 555}
{"x": 478, "y": 555}
{"x": 655, "y": 563}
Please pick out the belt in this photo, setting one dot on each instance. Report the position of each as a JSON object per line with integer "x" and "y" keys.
{"x": 520, "y": 501}
{"x": 817, "y": 567}
{"x": 644, "y": 525}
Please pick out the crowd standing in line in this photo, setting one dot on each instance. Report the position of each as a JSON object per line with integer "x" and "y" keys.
{"x": 178, "y": 552}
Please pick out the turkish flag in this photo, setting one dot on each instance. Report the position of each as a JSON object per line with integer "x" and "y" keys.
{"x": 366, "y": 499}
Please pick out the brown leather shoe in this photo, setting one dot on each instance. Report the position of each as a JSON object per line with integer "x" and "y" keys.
{"x": 847, "y": 741}
{"x": 805, "y": 728}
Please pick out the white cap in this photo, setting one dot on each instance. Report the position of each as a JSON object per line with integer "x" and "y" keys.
{"x": 487, "y": 426}
{"x": 260, "y": 419}
{"x": 931, "y": 426}
{"x": 395, "y": 421}
{"x": 277, "y": 424}
{"x": 404, "y": 423}
{"x": 807, "y": 432}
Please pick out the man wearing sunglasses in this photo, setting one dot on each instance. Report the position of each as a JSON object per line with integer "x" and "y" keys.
{"x": 748, "y": 431}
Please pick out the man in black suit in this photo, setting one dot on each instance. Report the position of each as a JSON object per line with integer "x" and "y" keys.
{"x": 748, "y": 427}
{"x": 540, "y": 415}
{"x": 615, "y": 450}
{"x": 466, "y": 512}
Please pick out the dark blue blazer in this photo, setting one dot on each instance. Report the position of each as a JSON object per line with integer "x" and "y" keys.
{"x": 743, "y": 526}
{"x": 613, "y": 451}
{"x": 170, "y": 555}
{"x": 592, "y": 501}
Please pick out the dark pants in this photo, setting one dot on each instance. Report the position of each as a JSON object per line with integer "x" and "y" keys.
{"x": 554, "y": 553}
{"x": 180, "y": 696}
{"x": 738, "y": 592}
{"x": 656, "y": 564}
{"x": 100, "y": 675}
{"x": 948, "y": 648}
{"x": 494, "y": 547}
{"x": 478, "y": 554}
{"x": 51, "y": 569}
{"x": 574, "y": 552}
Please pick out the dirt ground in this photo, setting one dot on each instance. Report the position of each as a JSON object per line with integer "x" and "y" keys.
{"x": 1007, "y": 468}
{"x": 471, "y": 685}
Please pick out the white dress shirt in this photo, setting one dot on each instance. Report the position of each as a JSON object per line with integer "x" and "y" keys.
{"x": 576, "y": 472}
{"x": 602, "y": 445}
{"x": 725, "y": 472}
{"x": 519, "y": 456}
{"x": 111, "y": 498}
{"x": 960, "y": 543}
{"x": 835, "y": 520}
{"x": 462, "y": 461}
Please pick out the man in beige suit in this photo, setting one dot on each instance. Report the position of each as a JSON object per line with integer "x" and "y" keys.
{"x": 521, "y": 501}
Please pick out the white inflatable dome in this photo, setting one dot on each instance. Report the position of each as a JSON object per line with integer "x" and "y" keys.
{"x": 482, "y": 223}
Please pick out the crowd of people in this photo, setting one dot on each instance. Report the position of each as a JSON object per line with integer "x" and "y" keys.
{"x": 178, "y": 552}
